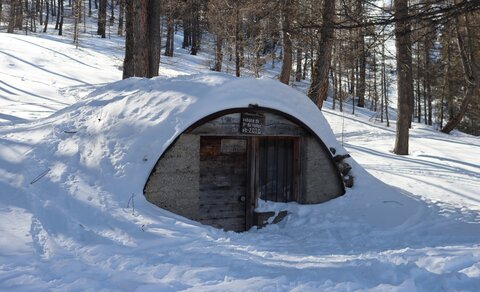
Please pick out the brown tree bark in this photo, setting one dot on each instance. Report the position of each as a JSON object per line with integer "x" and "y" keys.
{"x": 218, "y": 52}
{"x": 102, "y": 18}
{"x": 237, "y": 41}
{"x": 121, "y": 12}
{"x": 405, "y": 78}
{"x": 112, "y": 12}
{"x": 170, "y": 32}
{"x": 319, "y": 85}
{"x": 187, "y": 29}
{"x": 195, "y": 25}
{"x": 362, "y": 60}
{"x": 47, "y": 2}
{"x": 142, "y": 42}
{"x": 11, "y": 16}
{"x": 61, "y": 12}
{"x": 19, "y": 15}
{"x": 298, "y": 71}
{"x": 140, "y": 53}
{"x": 154, "y": 38}
{"x": 128, "y": 62}
{"x": 287, "y": 43}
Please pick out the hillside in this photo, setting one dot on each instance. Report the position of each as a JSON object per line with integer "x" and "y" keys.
{"x": 67, "y": 221}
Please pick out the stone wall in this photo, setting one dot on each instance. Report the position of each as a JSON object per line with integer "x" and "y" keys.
{"x": 321, "y": 181}
{"x": 174, "y": 183}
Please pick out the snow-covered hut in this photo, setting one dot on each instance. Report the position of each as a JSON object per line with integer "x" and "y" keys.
{"x": 237, "y": 141}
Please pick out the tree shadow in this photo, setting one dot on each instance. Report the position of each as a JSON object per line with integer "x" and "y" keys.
{"x": 46, "y": 70}
{"x": 12, "y": 119}
{"x": 57, "y": 52}
{"x": 32, "y": 94}
{"x": 412, "y": 160}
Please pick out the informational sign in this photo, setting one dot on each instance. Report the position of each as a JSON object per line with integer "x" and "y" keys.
{"x": 252, "y": 124}
{"x": 233, "y": 146}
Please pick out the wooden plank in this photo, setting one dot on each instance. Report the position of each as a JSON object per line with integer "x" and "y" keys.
{"x": 252, "y": 182}
{"x": 277, "y": 168}
{"x": 222, "y": 182}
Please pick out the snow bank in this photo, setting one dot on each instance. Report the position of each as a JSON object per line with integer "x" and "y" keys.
{"x": 71, "y": 193}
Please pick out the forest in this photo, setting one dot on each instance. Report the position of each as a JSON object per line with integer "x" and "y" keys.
{"x": 420, "y": 56}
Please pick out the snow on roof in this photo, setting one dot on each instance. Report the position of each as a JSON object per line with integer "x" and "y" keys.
{"x": 130, "y": 123}
{"x": 99, "y": 152}
{"x": 68, "y": 184}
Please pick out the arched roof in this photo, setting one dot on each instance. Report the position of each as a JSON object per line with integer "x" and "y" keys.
{"x": 127, "y": 125}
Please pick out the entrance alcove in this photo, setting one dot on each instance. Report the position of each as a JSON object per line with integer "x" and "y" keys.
{"x": 216, "y": 171}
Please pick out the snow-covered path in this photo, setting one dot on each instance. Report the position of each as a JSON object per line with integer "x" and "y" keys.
{"x": 418, "y": 230}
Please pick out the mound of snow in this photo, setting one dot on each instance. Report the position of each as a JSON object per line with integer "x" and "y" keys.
{"x": 72, "y": 195}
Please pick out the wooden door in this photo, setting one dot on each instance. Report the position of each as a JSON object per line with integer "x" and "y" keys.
{"x": 278, "y": 168}
{"x": 223, "y": 182}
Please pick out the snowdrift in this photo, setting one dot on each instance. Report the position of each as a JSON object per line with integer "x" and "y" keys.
{"x": 71, "y": 202}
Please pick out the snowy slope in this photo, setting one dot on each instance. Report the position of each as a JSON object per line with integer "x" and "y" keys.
{"x": 67, "y": 219}
{"x": 40, "y": 76}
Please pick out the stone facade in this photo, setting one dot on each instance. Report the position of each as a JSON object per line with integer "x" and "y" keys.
{"x": 174, "y": 182}
{"x": 320, "y": 182}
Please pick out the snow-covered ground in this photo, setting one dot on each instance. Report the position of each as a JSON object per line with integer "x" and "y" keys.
{"x": 67, "y": 222}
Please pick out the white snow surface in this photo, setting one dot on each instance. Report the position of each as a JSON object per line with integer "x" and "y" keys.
{"x": 73, "y": 216}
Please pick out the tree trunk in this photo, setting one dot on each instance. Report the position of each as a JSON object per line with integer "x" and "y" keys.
{"x": 419, "y": 98}
{"x": 187, "y": 29}
{"x": 11, "y": 17}
{"x": 46, "y": 17}
{"x": 57, "y": 22}
{"x": 102, "y": 18}
{"x": 140, "y": 53}
{"x": 305, "y": 66}
{"x": 19, "y": 15}
{"x": 237, "y": 41}
{"x": 298, "y": 71}
{"x": 112, "y": 12}
{"x": 128, "y": 62}
{"x": 142, "y": 42}
{"x": 60, "y": 15}
{"x": 319, "y": 85}
{"x": 121, "y": 12}
{"x": 39, "y": 9}
{"x": 195, "y": 22}
{"x": 76, "y": 16}
{"x": 405, "y": 78}
{"x": 287, "y": 43}
{"x": 362, "y": 60}
{"x": 154, "y": 38}
{"x": 170, "y": 33}
{"x": 218, "y": 52}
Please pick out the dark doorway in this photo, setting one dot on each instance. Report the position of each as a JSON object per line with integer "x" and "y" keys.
{"x": 278, "y": 168}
